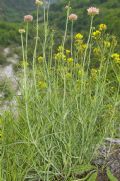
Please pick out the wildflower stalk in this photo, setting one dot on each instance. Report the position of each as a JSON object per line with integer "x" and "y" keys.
{"x": 45, "y": 40}
{"x": 26, "y": 50}
{"x": 88, "y": 41}
{"x": 64, "y": 92}
{"x": 24, "y": 62}
{"x": 51, "y": 49}
{"x": 25, "y": 83}
{"x": 71, "y": 38}
{"x": 23, "y": 52}
{"x": 45, "y": 34}
{"x": 35, "y": 49}
{"x": 84, "y": 59}
{"x": 66, "y": 25}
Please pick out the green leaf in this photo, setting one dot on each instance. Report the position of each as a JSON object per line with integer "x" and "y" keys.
{"x": 111, "y": 176}
{"x": 82, "y": 168}
{"x": 92, "y": 177}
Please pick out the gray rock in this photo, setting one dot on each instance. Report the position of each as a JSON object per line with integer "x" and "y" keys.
{"x": 109, "y": 157}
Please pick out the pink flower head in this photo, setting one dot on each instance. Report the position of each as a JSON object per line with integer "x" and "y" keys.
{"x": 28, "y": 18}
{"x": 73, "y": 17}
{"x": 92, "y": 11}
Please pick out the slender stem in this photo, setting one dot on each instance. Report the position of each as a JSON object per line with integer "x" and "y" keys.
{"x": 45, "y": 31}
{"x": 66, "y": 26}
{"x": 84, "y": 59}
{"x": 23, "y": 52}
{"x": 72, "y": 39}
{"x": 35, "y": 49}
{"x": 45, "y": 40}
{"x": 26, "y": 50}
{"x": 25, "y": 82}
{"x": 64, "y": 92}
{"x": 88, "y": 41}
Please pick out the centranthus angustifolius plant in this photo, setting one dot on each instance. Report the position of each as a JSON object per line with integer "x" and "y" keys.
{"x": 69, "y": 101}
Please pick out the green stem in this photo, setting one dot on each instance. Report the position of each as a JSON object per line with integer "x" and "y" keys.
{"x": 35, "y": 49}
{"x": 66, "y": 26}
{"x": 23, "y": 52}
{"x": 64, "y": 92}
{"x": 72, "y": 39}
{"x": 26, "y": 50}
{"x": 44, "y": 44}
{"x": 88, "y": 41}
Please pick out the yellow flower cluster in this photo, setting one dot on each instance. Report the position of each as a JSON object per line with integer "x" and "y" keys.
{"x": 78, "y": 36}
{"x": 102, "y": 27}
{"x": 70, "y": 60}
{"x": 116, "y": 58}
{"x": 60, "y": 48}
{"x": 96, "y": 34}
{"x": 60, "y": 56}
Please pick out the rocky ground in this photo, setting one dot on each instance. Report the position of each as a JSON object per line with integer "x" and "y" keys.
{"x": 108, "y": 158}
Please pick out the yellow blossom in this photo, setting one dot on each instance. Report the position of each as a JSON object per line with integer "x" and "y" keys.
{"x": 116, "y": 57}
{"x": 40, "y": 59}
{"x": 78, "y": 36}
{"x": 96, "y": 34}
{"x": 60, "y": 56}
{"x": 102, "y": 27}
{"x": 70, "y": 60}
{"x": 60, "y": 48}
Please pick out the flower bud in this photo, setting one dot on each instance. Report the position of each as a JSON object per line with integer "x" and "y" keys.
{"x": 39, "y": 2}
{"x": 21, "y": 30}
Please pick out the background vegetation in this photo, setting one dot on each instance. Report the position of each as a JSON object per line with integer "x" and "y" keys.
{"x": 14, "y": 10}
